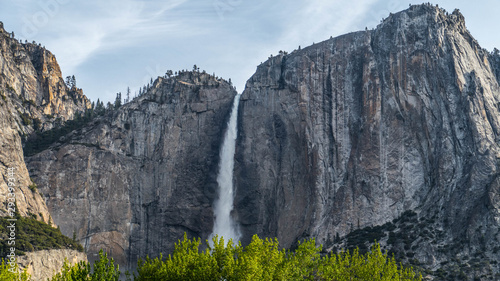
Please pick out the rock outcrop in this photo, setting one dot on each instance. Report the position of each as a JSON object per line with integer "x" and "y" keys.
{"x": 134, "y": 181}
{"x": 42, "y": 265}
{"x": 33, "y": 97}
{"x": 494, "y": 60}
{"x": 31, "y": 75}
{"x": 354, "y": 131}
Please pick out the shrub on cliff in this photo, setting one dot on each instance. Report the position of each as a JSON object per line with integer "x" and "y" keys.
{"x": 33, "y": 235}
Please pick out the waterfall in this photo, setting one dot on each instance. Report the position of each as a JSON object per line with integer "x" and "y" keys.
{"x": 224, "y": 224}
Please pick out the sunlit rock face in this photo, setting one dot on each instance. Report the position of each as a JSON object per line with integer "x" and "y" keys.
{"x": 33, "y": 96}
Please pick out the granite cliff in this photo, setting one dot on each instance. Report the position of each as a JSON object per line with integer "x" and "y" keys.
{"x": 132, "y": 182}
{"x": 389, "y": 134}
{"x": 34, "y": 97}
{"x": 360, "y": 130}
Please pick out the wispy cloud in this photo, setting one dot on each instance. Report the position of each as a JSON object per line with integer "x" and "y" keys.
{"x": 294, "y": 23}
{"x": 319, "y": 19}
{"x": 108, "y": 25}
{"x": 112, "y": 44}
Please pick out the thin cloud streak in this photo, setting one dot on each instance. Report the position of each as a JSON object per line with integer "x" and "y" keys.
{"x": 320, "y": 19}
{"x": 109, "y": 45}
{"x": 115, "y": 27}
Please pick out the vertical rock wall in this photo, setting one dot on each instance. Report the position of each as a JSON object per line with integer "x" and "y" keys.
{"x": 133, "y": 182}
{"x": 356, "y": 130}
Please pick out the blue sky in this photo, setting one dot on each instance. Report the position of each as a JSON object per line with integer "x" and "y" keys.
{"x": 109, "y": 45}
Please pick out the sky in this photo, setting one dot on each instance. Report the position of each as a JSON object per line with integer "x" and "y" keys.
{"x": 114, "y": 44}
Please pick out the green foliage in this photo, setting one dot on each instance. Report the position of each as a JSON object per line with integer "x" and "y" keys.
{"x": 118, "y": 101}
{"x": 77, "y": 272}
{"x": 33, "y": 235}
{"x": 99, "y": 108}
{"x": 37, "y": 124}
{"x": 41, "y": 141}
{"x": 360, "y": 237}
{"x": 260, "y": 260}
{"x": 263, "y": 260}
{"x": 32, "y": 186}
{"x": 104, "y": 269}
{"x": 26, "y": 119}
{"x": 6, "y": 275}
{"x": 374, "y": 265}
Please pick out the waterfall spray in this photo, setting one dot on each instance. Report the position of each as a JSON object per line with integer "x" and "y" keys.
{"x": 224, "y": 224}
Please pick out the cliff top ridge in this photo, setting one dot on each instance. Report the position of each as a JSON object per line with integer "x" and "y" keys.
{"x": 426, "y": 14}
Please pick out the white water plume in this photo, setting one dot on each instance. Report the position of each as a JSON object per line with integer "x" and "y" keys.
{"x": 224, "y": 224}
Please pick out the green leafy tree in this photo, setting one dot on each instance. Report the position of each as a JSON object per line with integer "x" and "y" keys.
{"x": 104, "y": 269}
{"x": 374, "y": 265}
{"x": 79, "y": 271}
{"x": 261, "y": 260}
{"x": 8, "y": 275}
{"x": 186, "y": 263}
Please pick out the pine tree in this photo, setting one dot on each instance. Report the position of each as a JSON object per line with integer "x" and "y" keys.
{"x": 118, "y": 100}
{"x": 68, "y": 81}
{"x": 99, "y": 107}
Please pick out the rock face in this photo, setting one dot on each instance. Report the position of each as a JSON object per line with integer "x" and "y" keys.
{"x": 33, "y": 97}
{"x": 133, "y": 182}
{"x": 354, "y": 131}
{"x": 42, "y": 265}
{"x": 30, "y": 73}
{"x": 495, "y": 63}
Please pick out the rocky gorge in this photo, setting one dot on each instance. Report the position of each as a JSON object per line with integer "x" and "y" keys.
{"x": 389, "y": 134}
